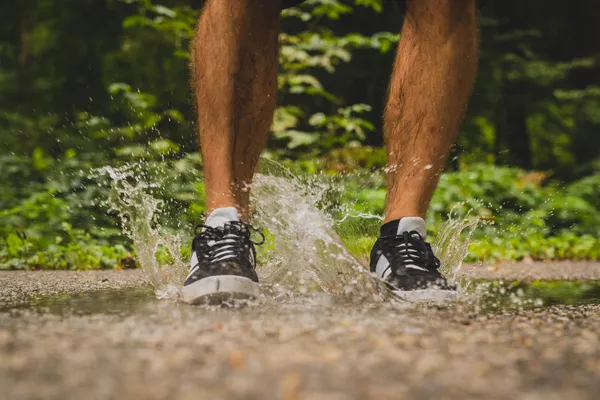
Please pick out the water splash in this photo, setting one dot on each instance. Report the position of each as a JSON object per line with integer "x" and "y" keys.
{"x": 307, "y": 254}
{"x": 303, "y": 255}
{"x": 451, "y": 244}
{"x": 130, "y": 197}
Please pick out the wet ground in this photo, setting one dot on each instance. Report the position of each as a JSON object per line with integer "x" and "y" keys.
{"x": 123, "y": 343}
{"x": 18, "y": 287}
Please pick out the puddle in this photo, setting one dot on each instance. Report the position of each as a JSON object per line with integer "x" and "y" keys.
{"x": 500, "y": 296}
{"x": 112, "y": 302}
{"x": 489, "y": 297}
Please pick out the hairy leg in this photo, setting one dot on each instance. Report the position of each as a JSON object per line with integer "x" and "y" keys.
{"x": 235, "y": 80}
{"x": 432, "y": 80}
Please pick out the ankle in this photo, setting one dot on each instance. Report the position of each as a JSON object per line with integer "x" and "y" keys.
{"x": 404, "y": 224}
{"x": 399, "y": 214}
{"x": 220, "y": 216}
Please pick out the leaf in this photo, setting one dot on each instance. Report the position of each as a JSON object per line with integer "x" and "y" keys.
{"x": 14, "y": 244}
{"x": 317, "y": 119}
{"x": 164, "y": 146}
{"x": 118, "y": 87}
{"x": 176, "y": 115}
{"x": 298, "y": 138}
{"x": 40, "y": 160}
{"x": 283, "y": 120}
{"x": 164, "y": 11}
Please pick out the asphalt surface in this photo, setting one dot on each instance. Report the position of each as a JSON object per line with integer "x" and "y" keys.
{"x": 100, "y": 344}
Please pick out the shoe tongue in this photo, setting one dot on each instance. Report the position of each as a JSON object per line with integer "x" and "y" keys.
{"x": 408, "y": 224}
{"x": 220, "y": 216}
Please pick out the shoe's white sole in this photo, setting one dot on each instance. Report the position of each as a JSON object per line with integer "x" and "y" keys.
{"x": 426, "y": 295}
{"x": 220, "y": 288}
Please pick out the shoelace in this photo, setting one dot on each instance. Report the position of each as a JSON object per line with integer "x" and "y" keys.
{"x": 411, "y": 249}
{"x": 223, "y": 243}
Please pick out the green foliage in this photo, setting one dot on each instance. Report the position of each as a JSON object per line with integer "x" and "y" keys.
{"x": 520, "y": 218}
{"x": 51, "y": 219}
{"x": 80, "y": 93}
{"x": 304, "y": 55}
{"x": 524, "y": 219}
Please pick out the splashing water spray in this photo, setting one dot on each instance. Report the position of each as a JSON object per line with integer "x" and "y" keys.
{"x": 308, "y": 254}
{"x": 303, "y": 253}
{"x": 137, "y": 209}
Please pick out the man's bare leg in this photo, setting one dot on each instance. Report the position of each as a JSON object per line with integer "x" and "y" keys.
{"x": 235, "y": 79}
{"x": 235, "y": 69}
{"x": 433, "y": 77}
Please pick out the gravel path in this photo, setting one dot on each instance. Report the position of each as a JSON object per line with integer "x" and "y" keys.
{"x": 284, "y": 348}
{"x": 580, "y": 270}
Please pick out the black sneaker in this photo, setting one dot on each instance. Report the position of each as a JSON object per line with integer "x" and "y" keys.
{"x": 404, "y": 260}
{"x": 223, "y": 264}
